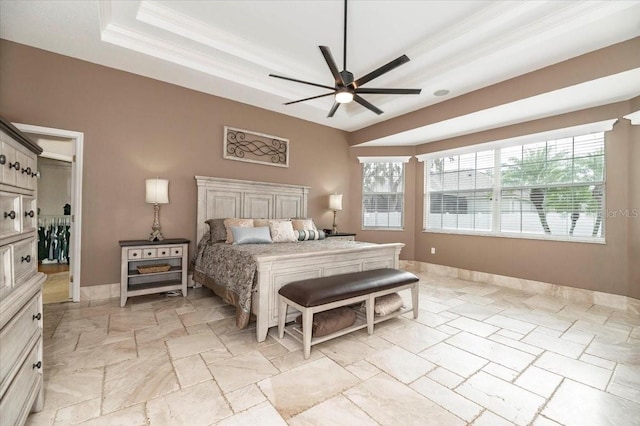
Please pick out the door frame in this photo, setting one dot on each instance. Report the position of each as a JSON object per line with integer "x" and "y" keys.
{"x": 77, "y": 139}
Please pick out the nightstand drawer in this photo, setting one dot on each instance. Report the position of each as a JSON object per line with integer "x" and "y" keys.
{"x": 134, "y": 254}
{"x": 149, "y": 253}
{"x": 164, "y": 251}
{"x": 176, "y": 251}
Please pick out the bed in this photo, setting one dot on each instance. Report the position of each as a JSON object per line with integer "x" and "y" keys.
{"x": 273, "y": 265}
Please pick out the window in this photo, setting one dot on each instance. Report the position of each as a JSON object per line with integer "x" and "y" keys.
{"x": 551, "y": 189}
{"x": 383, "y": 192}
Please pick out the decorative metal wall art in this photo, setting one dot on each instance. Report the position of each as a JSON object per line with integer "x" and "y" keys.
{"x": 244, "y": 145}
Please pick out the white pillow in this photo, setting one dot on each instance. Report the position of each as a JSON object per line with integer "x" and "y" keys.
{"x": 256, "y": 235}
{"x": 282, "y": 232}
{"x": 303, "y": 225}
{"x": 240, "y": 223}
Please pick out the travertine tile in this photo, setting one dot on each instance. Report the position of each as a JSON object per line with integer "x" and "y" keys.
{"x": 589, "y": 374}
{"x": 472, "y": 326}
{"x": 68, "y": 389}
{"x": 234, "y": 373}
{"x": 201, "y": 404}
{"x": 487, "y": 418}
{"x": 509, "y": 401}
{"x": 191, "y": 370}
{"x": 628, "y": 353}
{"x": 262, "y": 414}
{"x": 129, "y": 321}
{"x": 476, "y": 312}
{"x": 493, "y": 351}
{"x": 312, "y": 377}
{"x": 447, "y": 399}
{"x": 245, "y": 397}
{"x": 445, "y": 377}
{"x": 363, "y": 369}
{"x": 626, "y": 382}
{"x": 334, "y": 411}
{"x": 516, "y": 344}
{"x": 388, "y": 402}
{"x": 454, "y": 359}
{"x": 180, "y": 347}
{"x": 343, "y": 351}
{"x": 201, "y": 317}
{"x": 134, "y": 381}
{"x": 79, "y": 412}
{"x": 579, "y": 405}
{"x": 500, "y": 371}
{"x": 540, "y": 318}
{"x": 401, "y": 364}
{"x": 511, "y": 324}
{"x": 544, "y": 421}
{"x": 539, "y": 381}
{"x": 415, "y": 338}
{"x": 554, "y": 344}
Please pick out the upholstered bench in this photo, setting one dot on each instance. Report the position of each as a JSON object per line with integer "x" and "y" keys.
{"x": 321, "y": 294}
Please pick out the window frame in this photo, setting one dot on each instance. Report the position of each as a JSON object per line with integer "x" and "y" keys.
{"x": 403, "y": 160}
{"x": 573, "y": 132}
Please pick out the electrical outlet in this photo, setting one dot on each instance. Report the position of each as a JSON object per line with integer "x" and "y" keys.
{"x": 433, "y": 250}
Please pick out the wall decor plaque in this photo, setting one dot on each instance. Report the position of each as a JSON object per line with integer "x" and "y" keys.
{"x": 252, "y": 147}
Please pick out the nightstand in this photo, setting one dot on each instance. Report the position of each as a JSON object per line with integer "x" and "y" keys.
{"x": 345, "y": 236}
{"x": 150, "y": 267}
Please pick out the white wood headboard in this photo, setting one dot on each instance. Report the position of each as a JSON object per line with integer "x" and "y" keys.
{"x": 222, "y": 198}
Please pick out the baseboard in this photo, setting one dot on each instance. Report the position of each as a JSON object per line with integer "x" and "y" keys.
{"x": 614, "y": 301}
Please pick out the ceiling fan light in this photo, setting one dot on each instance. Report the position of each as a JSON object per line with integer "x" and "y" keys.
{"x": 344, "y": 97}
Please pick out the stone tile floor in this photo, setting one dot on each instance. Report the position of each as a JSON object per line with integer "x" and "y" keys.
{"x": 477, "y": 354}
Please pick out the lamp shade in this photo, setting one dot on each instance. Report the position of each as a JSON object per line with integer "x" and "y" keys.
{"x": 335, "y": 202}
{"x": 157, "y": 191}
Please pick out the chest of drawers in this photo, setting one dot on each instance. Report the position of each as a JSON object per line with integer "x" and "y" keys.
{"x": 21, "y": 389}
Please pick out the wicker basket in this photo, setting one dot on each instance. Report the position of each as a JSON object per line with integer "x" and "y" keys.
{"x": 149, "y": 269}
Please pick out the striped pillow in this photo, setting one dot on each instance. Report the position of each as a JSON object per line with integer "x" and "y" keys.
{"x": 308, "y": 234}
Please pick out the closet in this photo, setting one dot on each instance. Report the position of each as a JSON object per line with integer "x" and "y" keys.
{"x": 54, "y": 227}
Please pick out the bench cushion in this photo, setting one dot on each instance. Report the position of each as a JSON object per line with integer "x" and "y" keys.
{"x": 320, "y": 291}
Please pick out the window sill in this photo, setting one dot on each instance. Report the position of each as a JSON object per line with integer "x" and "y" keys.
{"x": 518, "y": 236}
{"x": 382, "y": 229}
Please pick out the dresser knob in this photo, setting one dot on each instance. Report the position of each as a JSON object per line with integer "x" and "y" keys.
{"x": 37, "y": 316}
{"x": 11, "y": 215}
{"x": 37, "y": 365}
{"x": 26, "y": 258}
{"x": 36, "y": 174}
{"x": 27, "y": 171}
{"x": 3, "y": 159}
{"x": 15, "y": 165}
{"x": 29, "y": 213}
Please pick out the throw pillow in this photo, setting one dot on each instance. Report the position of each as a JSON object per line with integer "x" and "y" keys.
{"x": 303, "y": 225}
{"x": 217, "y": 230}
{"x": 282, "y": 232}
{"x": 255, "y": 235}
{"x": 240, "y": 223}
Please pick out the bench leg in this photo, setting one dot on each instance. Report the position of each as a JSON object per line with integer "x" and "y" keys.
{"x": 282, "y": 315}
{"x": 414, "y": 299}
{"x": 307, "y": 330}
{"x": 370, "y": 304}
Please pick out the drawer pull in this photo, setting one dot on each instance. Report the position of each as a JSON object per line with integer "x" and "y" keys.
{"x": 3, "y": 159}
{"x": 134, "y": 254}
{"x": 29, "y": 213}
{"x": 11, "y": 215}
{"x": 26, "y": 258}
{"x": 37, "y": 365}
{"x": 27, "y": 171}
{"x": 163, "y": 253}
{"x": 36, "y": 174}
{"x": 37, "y": 316}
{"x": 15, "y": 165}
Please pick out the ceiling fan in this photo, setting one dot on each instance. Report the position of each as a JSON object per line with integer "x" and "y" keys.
{"x": 347, "y": 89}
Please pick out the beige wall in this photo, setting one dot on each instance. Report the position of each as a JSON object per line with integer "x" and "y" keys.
{"x": 136, "y": 128}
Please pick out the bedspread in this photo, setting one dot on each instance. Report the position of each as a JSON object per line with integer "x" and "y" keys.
{"x": 230, "y": 270}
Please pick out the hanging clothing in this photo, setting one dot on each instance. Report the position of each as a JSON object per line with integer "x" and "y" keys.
{"x": 54, "y": 234}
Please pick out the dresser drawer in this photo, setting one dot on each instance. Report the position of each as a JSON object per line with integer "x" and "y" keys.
{"x": 6, "y": 276}
{"x": 176, "y": 251}
{"x": 17, "y": 401}
{"x": 149, "y": 253}
{"x": 164, "y": 251}
{"x": 16, "y": 336}
{"x": 10, "y": 214}
{"x": 29, "y": 214}
{"x": 8, "y": 173}
{"x": 25, "y": 260}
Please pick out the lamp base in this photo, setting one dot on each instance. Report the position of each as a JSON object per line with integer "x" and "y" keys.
{"x": 156, "y": 235}
{"x": 334, "y": 229}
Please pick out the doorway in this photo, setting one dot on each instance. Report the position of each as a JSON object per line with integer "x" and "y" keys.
{"x": 61, "y": 165}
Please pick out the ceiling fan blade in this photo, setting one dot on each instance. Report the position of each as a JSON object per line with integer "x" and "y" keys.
{"x": 333, "y": 110}
{"x": 332, "y": 65}
{"x": 303, "y": 82}
{"x": 382, "y": 70}
{"x": 389, "y": 91}
{"x": 308, "y": 99}
{"x": 367, "y": 105}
